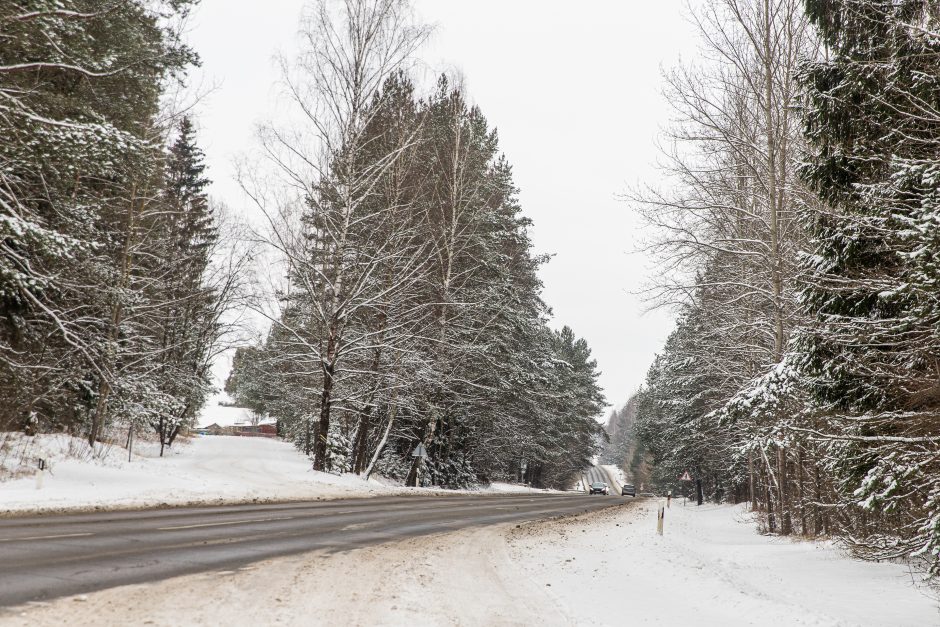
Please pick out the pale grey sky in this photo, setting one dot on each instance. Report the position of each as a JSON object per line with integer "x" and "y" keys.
{"x": 574, "y": 89}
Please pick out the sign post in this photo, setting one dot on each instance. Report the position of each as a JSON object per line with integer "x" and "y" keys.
{"x": 685, "y": 493}
{"x": 421, "y": 453}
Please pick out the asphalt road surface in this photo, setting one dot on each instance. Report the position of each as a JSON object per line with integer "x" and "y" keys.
{"x": 43, "y": 557}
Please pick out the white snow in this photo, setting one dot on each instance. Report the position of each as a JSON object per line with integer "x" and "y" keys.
{"x": 205, "y": 469}
{"x": 711, "y": 567}
{"x": 208, "y": 469}
{"x": 615, "y": 474}
{"x": 498, "y": 486}
{"x": 224, "y": 415}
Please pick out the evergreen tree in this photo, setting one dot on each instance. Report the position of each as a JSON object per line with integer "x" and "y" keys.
{"x": 870, "y": 357}
{"x": 189, "y": 326}
{"x": 80, "y": 86}
{"x": 442, "y": 332}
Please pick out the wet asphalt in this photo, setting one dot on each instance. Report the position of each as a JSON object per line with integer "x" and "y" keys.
{"x": 48, "y": 556}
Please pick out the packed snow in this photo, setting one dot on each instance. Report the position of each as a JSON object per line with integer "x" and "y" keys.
{"x": 606, "y": 568}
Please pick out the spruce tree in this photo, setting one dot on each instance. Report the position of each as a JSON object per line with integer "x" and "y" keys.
{"x": 189, "y": 327}
{"x": 871, "y": 356}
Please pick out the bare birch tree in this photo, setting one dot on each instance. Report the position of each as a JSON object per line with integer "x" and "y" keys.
{"x": 337, "y": 250}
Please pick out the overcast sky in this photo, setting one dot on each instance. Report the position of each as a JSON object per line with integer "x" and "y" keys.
{"x": 574, "y": 89}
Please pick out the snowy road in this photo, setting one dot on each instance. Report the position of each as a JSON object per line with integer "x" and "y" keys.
{"x": 50, "y": 556}
{"x": 599, "y": 473}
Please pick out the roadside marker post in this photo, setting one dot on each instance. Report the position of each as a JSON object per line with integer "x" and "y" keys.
{"x": 659, "y": 520}
{"x": 41, "y": 463}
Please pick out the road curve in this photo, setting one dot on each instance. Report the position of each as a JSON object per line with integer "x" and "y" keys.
{"x": 43, "y": 557}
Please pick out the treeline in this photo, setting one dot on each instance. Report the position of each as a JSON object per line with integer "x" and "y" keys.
{"x": 802, "y": 240}
{"x": 411, "y": 312}
{"x": 624, "y": 448}
{"x": 111, "y": 297}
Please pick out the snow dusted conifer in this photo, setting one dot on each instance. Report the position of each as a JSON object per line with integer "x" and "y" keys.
{"x": 441, "y": 337}
{"x": 728, "y": 239}
{"x": 79, "y": 90}
{"x": 336, "y": 247}
{"x": 191, "y": 297}
{"x": 871, "y": 355}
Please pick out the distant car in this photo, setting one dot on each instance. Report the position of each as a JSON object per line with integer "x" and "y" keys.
{"x": 628, "y": 490}
{"x": 599, "y": 488}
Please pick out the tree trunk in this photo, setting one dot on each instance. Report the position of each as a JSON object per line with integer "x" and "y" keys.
{"x": 323, "y": 427}
{"x": 326, "y": 400}
{"x": 801, "y": 495}
{"x": 784, "y": 505}
{"x": 361, "y": 441}
{"x": 750, "y": 478}
{"x": 392, "y": 410}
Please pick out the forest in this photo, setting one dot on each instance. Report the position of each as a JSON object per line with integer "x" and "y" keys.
{"x": 798, "y": 241}
{"x": 116, "y": 272}
{"x": 405, "y": 306}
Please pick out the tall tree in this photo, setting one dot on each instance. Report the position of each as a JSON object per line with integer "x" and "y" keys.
{"x": 189, "y": 324}
{"x": 80, "y": 83}
{"x": 729, "y": 237}
{"x": 871, "y": 354}
{"x": 351, "y": 49}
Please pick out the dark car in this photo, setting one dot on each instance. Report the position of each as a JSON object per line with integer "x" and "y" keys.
{"x": 628, "y": 490}
{"x": 599, "y": 488}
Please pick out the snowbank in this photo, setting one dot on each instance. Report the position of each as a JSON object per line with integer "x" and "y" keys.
{"x": 710, "y": 568}
{"x": 207, "y": 469}
{"x": 498, "y": 486}
{"x": 210, "y": 469}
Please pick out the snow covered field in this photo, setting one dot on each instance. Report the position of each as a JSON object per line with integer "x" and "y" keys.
{"x": 207, "y": 469}
{"x": 609, "y": 568}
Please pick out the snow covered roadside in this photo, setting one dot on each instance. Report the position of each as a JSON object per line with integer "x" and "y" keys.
{"x": 710, "y": 568}
{"x": 606, "y": 568}
{"x": 209, "y": 469}
{"x": 205, "y": 470}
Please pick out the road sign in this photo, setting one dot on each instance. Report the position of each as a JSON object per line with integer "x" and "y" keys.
{"x": 685, "y": 476}
{"x": 420, "y": 451}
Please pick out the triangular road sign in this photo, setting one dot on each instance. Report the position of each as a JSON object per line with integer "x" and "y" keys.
{"x": 685, "y": 476}
{"x": 420, "y": 451}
